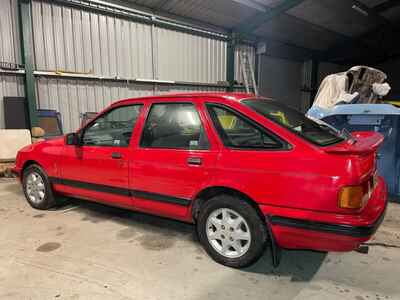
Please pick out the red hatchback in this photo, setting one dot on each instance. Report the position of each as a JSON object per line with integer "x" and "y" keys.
{"x": 246, "y": 170}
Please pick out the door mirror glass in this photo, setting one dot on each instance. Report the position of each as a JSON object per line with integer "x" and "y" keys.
{"x": 72, "y": 139}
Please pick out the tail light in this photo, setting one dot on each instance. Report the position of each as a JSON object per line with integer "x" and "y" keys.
{"x": 355, "y": 197}
{"x": 351, "y": 197}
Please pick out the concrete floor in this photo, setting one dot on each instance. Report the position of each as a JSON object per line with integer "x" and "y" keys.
{"x": 84, "y": 250}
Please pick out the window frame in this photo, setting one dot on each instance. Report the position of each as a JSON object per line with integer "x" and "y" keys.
{"x": 283, "y": 145}
{"x": 150, "y": 107}
{"x": 82, "y": 131}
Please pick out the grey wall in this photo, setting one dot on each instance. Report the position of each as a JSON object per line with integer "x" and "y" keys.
{"x": 281, "y": 79}
{"x": 87, "y": 43}
{"x": 392, "y": 69}
{"x": 325, "y": 69}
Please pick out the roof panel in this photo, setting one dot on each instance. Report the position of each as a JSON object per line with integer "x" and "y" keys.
{"x": 295, "y": 31}
{"x": 392, "y": 14}
{"x": 372, "y": 3}
{"x": 149, "y": 3}
{"x": 224, "y": 13}
{"x": 336, "y": 16}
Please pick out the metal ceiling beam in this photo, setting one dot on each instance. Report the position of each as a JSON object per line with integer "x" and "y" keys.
{"x": 251, "y": 4}
{"x": 386, "y": 6}
{"x": 370, "y": 13}
{"x": 251, "y": 24}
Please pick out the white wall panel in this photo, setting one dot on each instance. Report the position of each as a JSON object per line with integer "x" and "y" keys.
{"x": 72, "y": 97}
{"x": 186, "y": 57}
{"x": 9, "y": 32}
{"x": 73, "y": 40}
{"x": 10, "y": 86}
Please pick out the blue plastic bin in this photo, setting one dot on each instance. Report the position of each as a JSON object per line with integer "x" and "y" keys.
{"x": 382, "y": 118}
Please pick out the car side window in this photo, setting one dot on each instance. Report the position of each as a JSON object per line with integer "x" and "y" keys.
{"x": 175, "y": 126}
{"x": 238, "y": 132}
{"x": 114, "y": 128}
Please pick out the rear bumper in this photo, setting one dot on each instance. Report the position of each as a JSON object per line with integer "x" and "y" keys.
{"x": 296, "y": 229}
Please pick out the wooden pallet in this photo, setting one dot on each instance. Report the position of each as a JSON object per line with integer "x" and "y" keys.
{"x": 5, "y": 169}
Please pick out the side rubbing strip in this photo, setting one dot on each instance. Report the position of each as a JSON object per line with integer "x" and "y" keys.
{"x": 161, "y": 198}
{"x": 91, "y": 186}
{"x": 120, "y": 191}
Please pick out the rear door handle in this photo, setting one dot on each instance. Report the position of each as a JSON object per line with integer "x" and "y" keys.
{"x": 116, "y": 155}
{"x": 197, "y": 161}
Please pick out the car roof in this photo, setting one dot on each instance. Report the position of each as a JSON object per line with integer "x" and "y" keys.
{"x": 234, "y": 96}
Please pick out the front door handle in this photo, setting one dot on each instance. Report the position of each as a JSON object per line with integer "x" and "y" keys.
{"x": 197, "y": 161}
{"x": 116, "y": 155}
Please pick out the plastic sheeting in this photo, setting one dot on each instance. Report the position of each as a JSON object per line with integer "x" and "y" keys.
{"x": 360, "y": 84}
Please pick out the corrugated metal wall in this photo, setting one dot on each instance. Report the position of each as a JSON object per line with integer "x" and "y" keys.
{"x": 10, "y": 85}
{"x": 70, "y": 39}
{"x": 73, "y": 97}
{"x": 74, "y": 40}
{"x": 186, "y": 57}
{"x": 9, "y": 32}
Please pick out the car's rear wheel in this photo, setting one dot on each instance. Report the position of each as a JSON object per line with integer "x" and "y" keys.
{"x": 37, "y": 188}
{"x": 231, "y": 231}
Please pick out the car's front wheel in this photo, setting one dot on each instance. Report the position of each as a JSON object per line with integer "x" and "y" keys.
{"x": 37, "y": 188}
{"x": 231, "y": 231}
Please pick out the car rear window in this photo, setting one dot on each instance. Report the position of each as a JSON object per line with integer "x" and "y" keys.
{"x": 295, "y": 121}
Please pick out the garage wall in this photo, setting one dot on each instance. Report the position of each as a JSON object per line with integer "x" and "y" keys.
{"x": 9, "y": 32}
{"x": 281, "y": 79}
{"x": 392, "y": 69}
{"x": 10, "y": 85}
{"x": 73, "y": 97}
{"x": 325, "y": 69}
{"x": 109, "y": 49}
{"x": 74, "y": 40}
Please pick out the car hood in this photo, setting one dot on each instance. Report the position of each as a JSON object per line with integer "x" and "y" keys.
{"x": 43, "y": 144}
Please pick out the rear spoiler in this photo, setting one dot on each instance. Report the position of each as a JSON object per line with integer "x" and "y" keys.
{"x": 364, "y": 142}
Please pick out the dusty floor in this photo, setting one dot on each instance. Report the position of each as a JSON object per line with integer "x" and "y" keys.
{"x": 88, "y": 251}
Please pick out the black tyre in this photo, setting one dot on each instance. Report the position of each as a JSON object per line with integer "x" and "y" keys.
{"x": 231, "y": 231}
{"x": 37, "y": 188}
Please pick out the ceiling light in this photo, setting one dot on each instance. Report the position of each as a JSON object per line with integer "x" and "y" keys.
{"x": 360, "y": 10}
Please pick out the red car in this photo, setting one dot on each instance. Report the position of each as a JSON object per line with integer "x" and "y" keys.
{"x": 246, "y": 170}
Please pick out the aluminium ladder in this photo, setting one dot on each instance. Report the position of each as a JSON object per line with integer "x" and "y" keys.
{"x": 248, "y": 73}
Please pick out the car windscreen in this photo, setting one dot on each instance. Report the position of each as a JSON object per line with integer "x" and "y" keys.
{"x": 317, "y": 133}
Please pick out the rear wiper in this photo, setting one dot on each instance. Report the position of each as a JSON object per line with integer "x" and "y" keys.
{"x": 344, "y": 133}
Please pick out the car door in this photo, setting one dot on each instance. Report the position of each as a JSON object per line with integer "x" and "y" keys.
{"x": 173, "y": 160}
{"x": 99, "y": 167}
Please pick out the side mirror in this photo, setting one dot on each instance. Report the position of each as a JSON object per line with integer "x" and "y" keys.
{"x": 72, "y": 139}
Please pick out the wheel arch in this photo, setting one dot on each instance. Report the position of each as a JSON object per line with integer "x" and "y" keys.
{"x": 210, "y": 192}
{"x": 27, "y": 164}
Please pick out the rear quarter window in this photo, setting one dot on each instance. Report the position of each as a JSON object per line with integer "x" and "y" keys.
{"x": 316, "y": 133}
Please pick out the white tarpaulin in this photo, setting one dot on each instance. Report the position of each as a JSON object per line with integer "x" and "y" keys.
{"x": 360, "y": 84}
